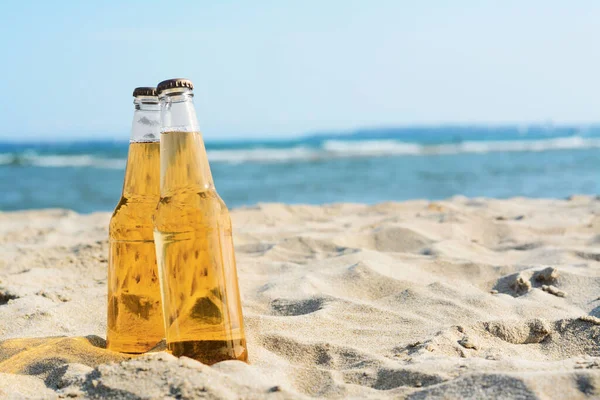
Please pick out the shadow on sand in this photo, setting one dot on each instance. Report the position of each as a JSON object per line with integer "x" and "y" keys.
{"x": 47, "y": 357}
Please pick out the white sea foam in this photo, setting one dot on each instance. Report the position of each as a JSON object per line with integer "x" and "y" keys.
{"x": 237, "y": 156}
{"x": 370, "y": 148}
{"x": 38, "y": 160}
{"x": 383, "y": 148}
{"x": 76, "y": 161}
{"x": 390, "y": 147}
{"x": 329, "y": 149}
{"x": 566, "y": 143}
{"x": 6, "y": 158}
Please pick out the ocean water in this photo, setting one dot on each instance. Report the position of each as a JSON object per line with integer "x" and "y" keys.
{"x": 366, "y": 166}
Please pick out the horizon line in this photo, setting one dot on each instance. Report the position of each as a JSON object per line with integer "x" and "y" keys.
{"x": 317, "y": 133}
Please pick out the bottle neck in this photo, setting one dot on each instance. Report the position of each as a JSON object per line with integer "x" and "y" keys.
{"x": 183, "y": 160}
{"x": 142, "y": 172}
{"x": 177, "y": 112}
{"x": 145, "y": 126}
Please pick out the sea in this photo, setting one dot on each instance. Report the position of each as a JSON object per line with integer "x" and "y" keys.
{"x": 365, "y": 166}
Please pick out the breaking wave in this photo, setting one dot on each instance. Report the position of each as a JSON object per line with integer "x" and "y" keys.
{"x": 328, "y": 149}
{"x": 83, "y": 160}
{"x": 384, "y": 148}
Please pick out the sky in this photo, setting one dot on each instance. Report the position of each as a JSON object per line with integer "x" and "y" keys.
{"x": 277, "y": 69}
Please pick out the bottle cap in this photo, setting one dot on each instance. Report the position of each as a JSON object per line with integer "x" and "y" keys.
{"x": 144, "y": 91}
{"x": 174, "y": 84}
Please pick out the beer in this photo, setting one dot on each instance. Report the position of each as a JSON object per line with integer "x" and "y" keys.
{"x": 192, "y": 230}
{"x": 135, "y": 322}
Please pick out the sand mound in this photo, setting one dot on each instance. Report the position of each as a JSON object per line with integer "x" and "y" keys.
{"x": 466, "y": 298}
{"x": 49, "y": 358}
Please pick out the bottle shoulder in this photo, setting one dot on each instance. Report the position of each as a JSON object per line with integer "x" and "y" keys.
{"x": 191, "y": 211}
{"x": 136, "y": 205}
{"x": 132, "y": 219}
{"x": 193, "y": 198}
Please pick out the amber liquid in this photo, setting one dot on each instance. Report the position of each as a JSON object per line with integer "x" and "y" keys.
{"x": 201, "y": 301}
{"x": 135, "y": 321}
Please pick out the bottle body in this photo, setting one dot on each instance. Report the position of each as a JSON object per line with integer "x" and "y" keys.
{"x": 199, "y": 284}
{"x": 135, "y": 323}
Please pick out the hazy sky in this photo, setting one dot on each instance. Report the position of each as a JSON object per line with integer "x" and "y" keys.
{"x": 282, "y": 68}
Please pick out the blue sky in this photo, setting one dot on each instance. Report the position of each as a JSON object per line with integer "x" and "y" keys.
{"x": 284, "y": 68}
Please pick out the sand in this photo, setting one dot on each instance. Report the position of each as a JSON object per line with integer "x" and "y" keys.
{"x": 465, "y": 298}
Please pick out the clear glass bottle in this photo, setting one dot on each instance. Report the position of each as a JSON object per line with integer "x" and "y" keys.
{"x": 135, "y": 321}
{"x": 192, "y": 230}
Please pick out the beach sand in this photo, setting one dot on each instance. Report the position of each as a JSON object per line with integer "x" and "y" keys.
{"x": 464, "y": 298}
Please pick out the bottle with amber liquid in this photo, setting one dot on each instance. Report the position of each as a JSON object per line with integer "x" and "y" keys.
{"x": 135, "y": 321}
{"x": 192, "y": 230}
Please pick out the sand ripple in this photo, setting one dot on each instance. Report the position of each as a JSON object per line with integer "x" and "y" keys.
{"x": 466, "y": 298}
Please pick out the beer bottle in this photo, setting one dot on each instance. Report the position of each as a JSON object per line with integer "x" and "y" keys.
{"x": 135, "y": 322}
{"x": 192, "y": 230}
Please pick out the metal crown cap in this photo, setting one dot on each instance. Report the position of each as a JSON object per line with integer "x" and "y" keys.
{"x": 144, "y": 91}
{"x": 173, "y": 84}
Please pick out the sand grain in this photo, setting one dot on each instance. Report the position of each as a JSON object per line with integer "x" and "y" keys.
{"x": 465, "y": 298}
